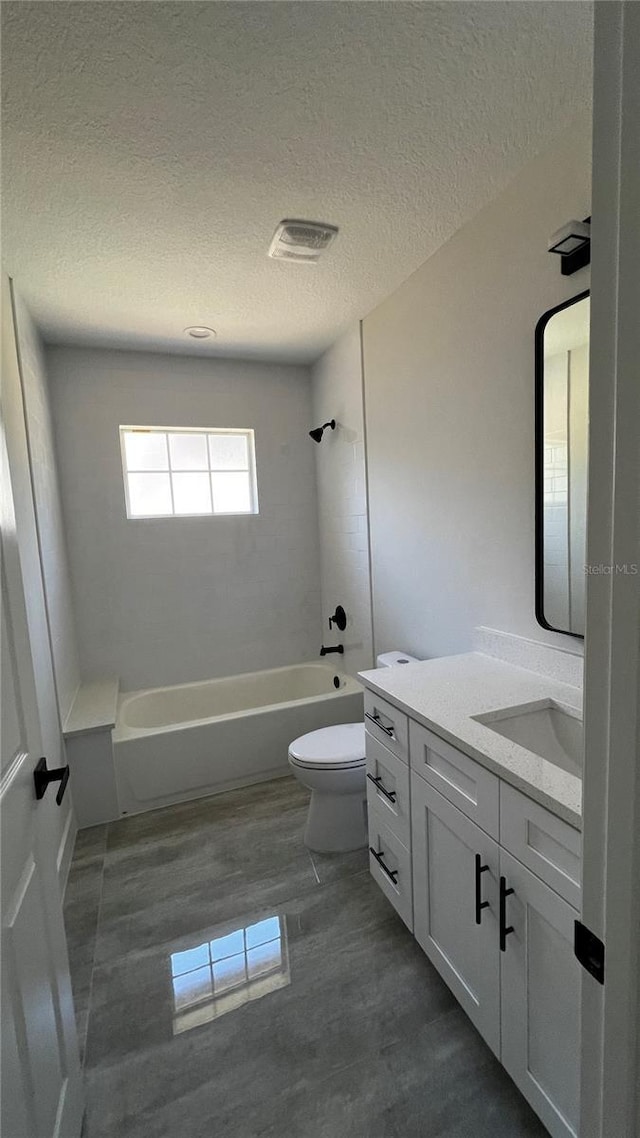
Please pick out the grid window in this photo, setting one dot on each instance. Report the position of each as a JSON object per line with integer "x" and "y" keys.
{"x": 188, "y": 472}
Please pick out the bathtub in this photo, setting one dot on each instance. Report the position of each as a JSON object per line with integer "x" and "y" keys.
{"x": 173, "y": 744}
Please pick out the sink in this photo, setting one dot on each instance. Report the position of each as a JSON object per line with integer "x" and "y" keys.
{"x": 547, "y": 728}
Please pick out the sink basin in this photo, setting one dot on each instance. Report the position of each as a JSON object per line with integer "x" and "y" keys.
{"x": 547, "y": 728}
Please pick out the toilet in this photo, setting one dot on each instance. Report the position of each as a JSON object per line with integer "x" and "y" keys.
{"x": 331, "y": 763}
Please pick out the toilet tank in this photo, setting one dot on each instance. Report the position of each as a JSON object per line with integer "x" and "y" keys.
{"x": 391, "y": 659}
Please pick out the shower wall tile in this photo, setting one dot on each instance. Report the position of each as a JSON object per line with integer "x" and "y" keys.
{"x": 171, "y": 600}
{"x": 342, "y": 499}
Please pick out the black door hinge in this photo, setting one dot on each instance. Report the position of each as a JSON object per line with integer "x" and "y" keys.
{"x": 589, "y": 950}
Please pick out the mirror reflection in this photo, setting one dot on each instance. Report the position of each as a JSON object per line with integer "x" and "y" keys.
{"x": 562, "y": 377}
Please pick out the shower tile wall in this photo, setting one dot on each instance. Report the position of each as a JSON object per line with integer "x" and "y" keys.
{"x": 342, "y": 498}
{"x": 165, "y": 601}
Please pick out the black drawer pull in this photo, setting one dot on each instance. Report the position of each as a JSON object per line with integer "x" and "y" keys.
{"x": 377, "y": 782}
{"x": 42, "y": 776}
{"x": 504, "y": 928}
{"x": 392, "y": 874}
{"x": 378, "y": 722}
{"x": 480, "y": 904}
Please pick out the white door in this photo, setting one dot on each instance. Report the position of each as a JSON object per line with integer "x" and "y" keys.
{"x": 41, "y": 1077}
{"x": 541, "y": 981}
{"x": 455, "y": 904}
{"x": 610, "y": 1101}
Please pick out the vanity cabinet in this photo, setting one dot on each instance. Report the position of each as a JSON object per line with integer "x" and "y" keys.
{"x": 390, "y": 865}
{"x": 385, "y": 723}
{"x": 388, "y": 789}
{"x": 469, "y": 786}
{"x": 456, "y": 870}
{"x": 489, "y": 881}
{"x": 540, "y": 981}
{"x": 508, "y": 959}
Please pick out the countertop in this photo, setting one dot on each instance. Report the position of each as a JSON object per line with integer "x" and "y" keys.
{"x": 443, "y": 694}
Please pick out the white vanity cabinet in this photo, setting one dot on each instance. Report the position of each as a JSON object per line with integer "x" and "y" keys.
{"x": 388, "y": 802}
{"x": 540, "y": 981}
{"x": 493, "y": 897}
{"x": 503, "y": 940}
{"x": 456, "y": 870}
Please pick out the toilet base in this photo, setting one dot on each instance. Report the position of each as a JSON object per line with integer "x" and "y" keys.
{"x": 336, "y": 823}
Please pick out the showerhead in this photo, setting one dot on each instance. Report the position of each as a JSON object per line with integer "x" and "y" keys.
{"x": 317, "y": 432}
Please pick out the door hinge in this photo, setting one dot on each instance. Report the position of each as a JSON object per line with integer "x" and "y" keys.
{"x": 589, "y": 950}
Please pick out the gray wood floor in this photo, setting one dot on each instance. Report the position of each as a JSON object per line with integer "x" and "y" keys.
{"x": 228, "y": 984}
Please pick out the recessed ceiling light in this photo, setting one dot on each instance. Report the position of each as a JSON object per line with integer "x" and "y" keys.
{"x": 200, "y": 332}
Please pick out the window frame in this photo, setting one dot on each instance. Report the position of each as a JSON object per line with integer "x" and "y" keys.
{"x": 251, "y": 470}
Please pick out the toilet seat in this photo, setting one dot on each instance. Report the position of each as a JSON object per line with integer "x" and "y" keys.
{"x": 336, "y": 748}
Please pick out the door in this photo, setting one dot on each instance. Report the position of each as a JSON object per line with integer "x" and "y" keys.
{"x": 41, "y": 1077}
{"x": 541, "y": 998}
{"x": 455, "y": 904}
{"x": 610, "y": 1102}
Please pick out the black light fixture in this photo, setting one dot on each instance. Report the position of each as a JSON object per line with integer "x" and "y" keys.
{"x": 573, "y": 243}
{"x": 317, "y": 432}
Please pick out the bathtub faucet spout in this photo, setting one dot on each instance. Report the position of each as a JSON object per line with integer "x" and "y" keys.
{"x": 338, "y": 648}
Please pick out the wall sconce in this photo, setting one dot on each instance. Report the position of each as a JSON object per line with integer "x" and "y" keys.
{"x": 317, "y": 432}
{"x": 573, "y": 243}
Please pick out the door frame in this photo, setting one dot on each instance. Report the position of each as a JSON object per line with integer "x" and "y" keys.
{"x": 611, "y": 810}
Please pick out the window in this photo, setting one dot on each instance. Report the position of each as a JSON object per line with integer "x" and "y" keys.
{"x": 188, "y": 472}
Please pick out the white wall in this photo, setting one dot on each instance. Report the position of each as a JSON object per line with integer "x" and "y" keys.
{"x": 165, "y": 601}
{"x": 53, "y": 546}
{"x": 449, "y": 394}
{"x": 22, "y": 372}
{"x": 342, "y": 498}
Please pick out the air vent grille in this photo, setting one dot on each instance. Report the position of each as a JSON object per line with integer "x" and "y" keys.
{"x": 301, "y": 240}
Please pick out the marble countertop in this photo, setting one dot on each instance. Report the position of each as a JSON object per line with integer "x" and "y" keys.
{"x": 443, "y": 694}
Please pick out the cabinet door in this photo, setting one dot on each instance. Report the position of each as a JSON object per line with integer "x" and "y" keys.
{"x": 455, "y": 871}
{"x": 541, "y": 999}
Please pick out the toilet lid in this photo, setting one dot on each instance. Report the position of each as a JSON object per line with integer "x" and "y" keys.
{"x": 338, "y": 746}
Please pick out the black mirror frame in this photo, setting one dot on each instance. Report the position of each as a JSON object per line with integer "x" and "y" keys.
{"x": 539, "y": 462}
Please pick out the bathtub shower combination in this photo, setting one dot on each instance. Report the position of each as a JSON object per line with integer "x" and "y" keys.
{"x": 173, "y": 744}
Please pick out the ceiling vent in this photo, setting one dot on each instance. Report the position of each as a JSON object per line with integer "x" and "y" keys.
{"x": 301, "y": 241}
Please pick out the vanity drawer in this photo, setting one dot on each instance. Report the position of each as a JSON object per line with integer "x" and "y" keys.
{"x": 472, "y": 788}
{"x": 390, "y": 864}
{"x": 387, "y": 724}
{"x": 388, "y": 788}
{"x": 547, "y": 845}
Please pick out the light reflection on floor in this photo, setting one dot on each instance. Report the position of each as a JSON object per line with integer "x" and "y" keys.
{"x": 221, "y": 974}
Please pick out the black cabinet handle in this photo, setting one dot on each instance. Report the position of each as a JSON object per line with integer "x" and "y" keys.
{"x": 392, "y": 874}
{"x": 480, "y": 904}
{"x": 504, "y": 928}
{"x": 377, "y": 782}
{"x": 42, "y": 776}
{"x": 378, "y": 722}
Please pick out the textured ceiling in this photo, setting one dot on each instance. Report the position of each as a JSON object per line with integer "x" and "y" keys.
{"x": 150, "y": 149}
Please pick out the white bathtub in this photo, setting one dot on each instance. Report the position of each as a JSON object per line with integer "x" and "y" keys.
{"x": 172, "y": 744}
